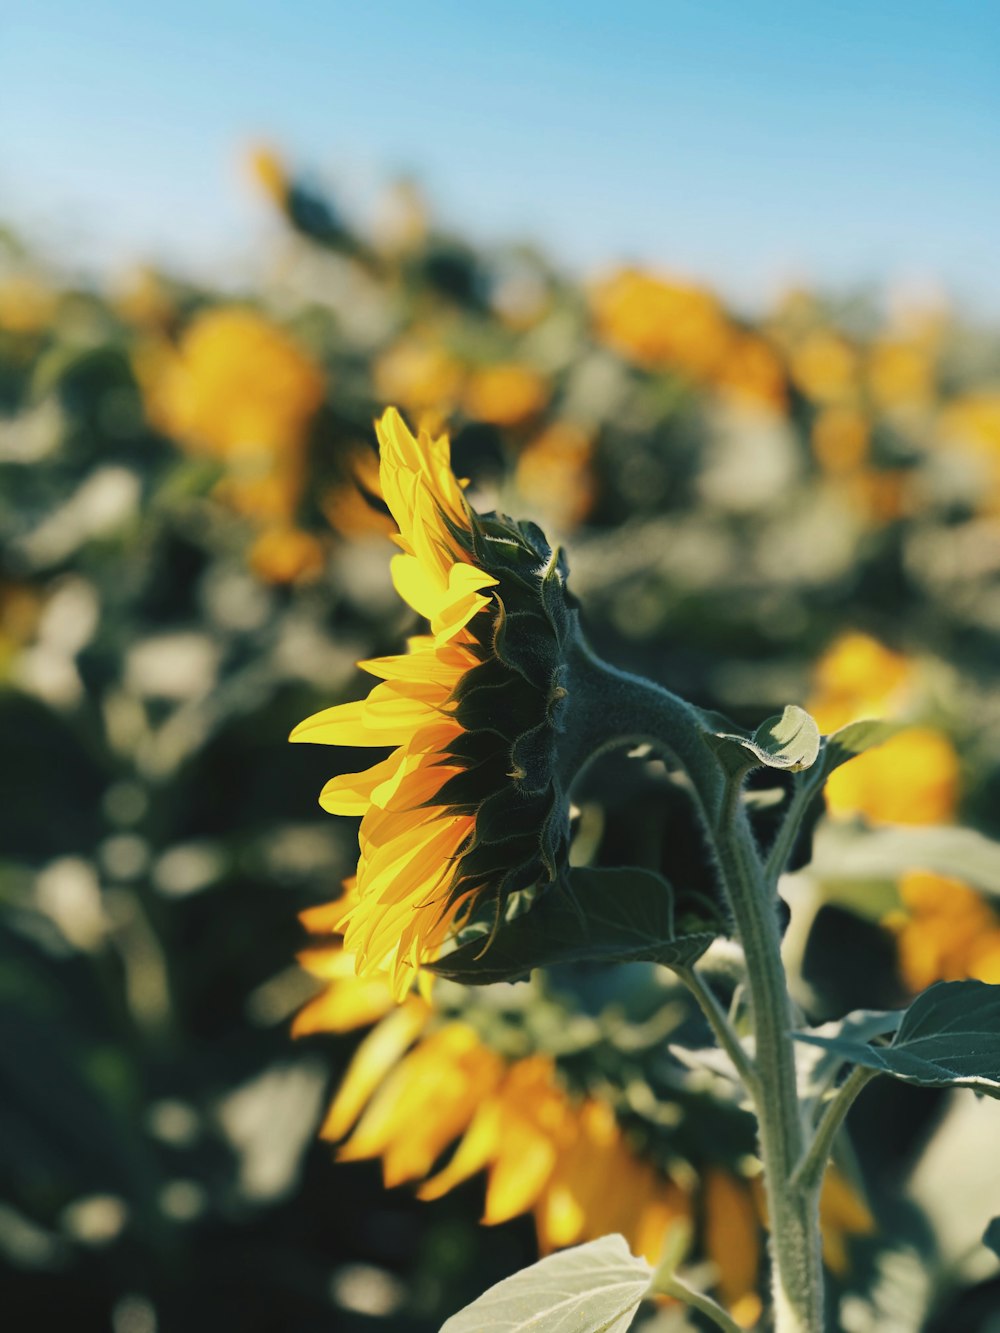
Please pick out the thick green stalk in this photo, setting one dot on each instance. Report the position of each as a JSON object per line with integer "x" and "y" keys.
{"x": 796, "y": 1261}
{"x": 625, "y": 707}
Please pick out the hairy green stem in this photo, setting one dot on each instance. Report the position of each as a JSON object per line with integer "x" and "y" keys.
{"x": 808, "y": 1174}
{"x": 626, "y": 708}
{"x": 781, "y": 849}
{"x": 796, "y": 1261}
{"x": 721, "y": 1026}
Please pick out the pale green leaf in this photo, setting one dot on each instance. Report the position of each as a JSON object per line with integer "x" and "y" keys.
{"x": 592, "y": 1288}
{"x": 789, "y": 742}
{"x": 846, "y": 850}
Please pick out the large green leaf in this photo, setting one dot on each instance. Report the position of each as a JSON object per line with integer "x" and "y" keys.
{"x": 991, "y": 1236}
{"x": 608, "y": 916}
{"x": 949, "y": 1036}
{"x": 592, "y": 1288}
{"x": 789, "y": 741}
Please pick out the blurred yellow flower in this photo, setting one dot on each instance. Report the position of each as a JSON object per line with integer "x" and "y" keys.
{"x": 421, "y": 1087}
{"x": 843, "y": 1213}
{"x": 840, "y": 437}
{"x": 859, "y": 677}
{"x": 27, "y": 305}
{"x": 911, "y": 779}
{"x": 346, "y": 505}
{"x": 944, "y": 931}
{"x": 286, "y": 555}
{"x": 421, "y": 375}
{"x": 825, "y": 366}
{"x": 884, "y": 495}
{"x": 901, "y": 373}
{"x": 554, "y": 473}
{"x": 505, "y": 394}
{"x": 732, "y": 1240}
{"x": 971, "y": 424}
{"x": 143, "y": 300}
{"x": 237, "y": 385}
{"x": 564, "y": 1160}
{"x": 751, "y": 370}
{"x": 239, "y": 388}
{"x": 21, "y": 609}
{"x": 660, "y": 324}
{"x": 974, "y": 421}
{"x": 268, "y": 170}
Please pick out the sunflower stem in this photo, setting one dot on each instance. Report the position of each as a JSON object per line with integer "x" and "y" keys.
{"x": 719, "y": 1022}
{"x": 796, "y": 1263}
{"x": 623, "y": 708}
{"x": 781, "y": 849}
{"x": 808, "y": 1175}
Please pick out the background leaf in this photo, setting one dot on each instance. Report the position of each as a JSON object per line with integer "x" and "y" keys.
{"x": 852, "y": 851}
{"x": 594, "y": 1288}
{"x": 607, "y": 916}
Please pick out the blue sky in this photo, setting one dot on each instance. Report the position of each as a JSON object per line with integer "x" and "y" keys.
{"x": 743, "y": 143}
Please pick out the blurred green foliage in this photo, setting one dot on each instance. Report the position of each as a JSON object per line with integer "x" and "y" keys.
{"x": 189, "y": 568}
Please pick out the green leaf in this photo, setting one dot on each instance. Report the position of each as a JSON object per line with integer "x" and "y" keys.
{"x": 949, "y": 1036}
{"x": 592, "y": 1288}
{"x": 608, "y": 916}
{"x": 852, "y": 740}
{"x": 851, "y": 850}
{"x": 789, "y": 742}
{"x": 820, "y": 1067}
{"x": 991, "y": 1236}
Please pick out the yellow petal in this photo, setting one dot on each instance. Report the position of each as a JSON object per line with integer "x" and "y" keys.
{"x": 474, "y": 1153}
{"x": 519, "y": 1174}
{"x": 400, "y": 1102}
{"x": 342, "y": 725}
{"x": 345, "y": 1006}
{"x": 351, "y": 793}
{"x": 373, "y": 1059}
{"x": 331, "y": 964}
{"x": 324, "y": 919}
{"x": 418, "y": 585}
{"x": 732, "y": 1237}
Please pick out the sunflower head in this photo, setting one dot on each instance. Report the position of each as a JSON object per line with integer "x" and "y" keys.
{"x": 471, "y": 806}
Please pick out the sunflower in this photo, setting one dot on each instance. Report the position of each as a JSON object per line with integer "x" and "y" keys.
{"x": 427, "y": 1094}
{"x": 470, "y": 806}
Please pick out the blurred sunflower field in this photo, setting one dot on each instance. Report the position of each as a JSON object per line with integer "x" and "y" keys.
{"x": 195, "y": 555}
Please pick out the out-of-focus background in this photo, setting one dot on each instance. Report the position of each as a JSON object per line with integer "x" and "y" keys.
{"x": 710, "y": 293}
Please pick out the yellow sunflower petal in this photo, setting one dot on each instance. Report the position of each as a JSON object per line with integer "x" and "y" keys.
{"x": 342, "y": 724}
{"x": 373, "y": 1059}
{"x": 351, "y": 793}
{"x": 476, "y": 1150}
{"x": 346, "y": 1006}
